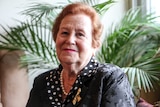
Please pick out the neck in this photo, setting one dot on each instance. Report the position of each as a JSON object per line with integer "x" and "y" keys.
{"x": 71, "y": 70}
{"x": 67, "y": 82}
{"x": 69, "y": 75}
{"x": 74, "y": 68}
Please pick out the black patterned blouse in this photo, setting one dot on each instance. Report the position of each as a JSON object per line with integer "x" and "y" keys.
{"x": 97, "y": 85}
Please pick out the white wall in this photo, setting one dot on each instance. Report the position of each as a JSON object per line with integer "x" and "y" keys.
{"x": 10, "y": 10}
{"x": 114, "y": 14}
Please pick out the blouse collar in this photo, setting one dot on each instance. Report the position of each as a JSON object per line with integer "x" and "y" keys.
{"x": 89, "y": 69}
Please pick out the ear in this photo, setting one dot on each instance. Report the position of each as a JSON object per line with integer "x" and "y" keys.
{"x": 96, "y": 44}
{"x": 94, "y": 51}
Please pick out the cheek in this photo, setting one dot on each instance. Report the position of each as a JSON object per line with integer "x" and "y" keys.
{"x": 58, "y": 44}
{"x": 85, "y": 46}
{"x": 58, "y": 41}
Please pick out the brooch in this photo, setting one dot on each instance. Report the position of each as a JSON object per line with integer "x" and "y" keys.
{"x": 77, "y": 98}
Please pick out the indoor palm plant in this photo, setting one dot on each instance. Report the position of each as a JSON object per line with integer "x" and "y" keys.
{"x": 133, "y": 44}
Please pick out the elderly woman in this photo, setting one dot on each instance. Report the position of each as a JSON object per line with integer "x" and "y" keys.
{"x": 80, "y": 80}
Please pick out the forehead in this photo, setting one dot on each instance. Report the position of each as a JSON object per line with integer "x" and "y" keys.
{"x": 79, "y": 21}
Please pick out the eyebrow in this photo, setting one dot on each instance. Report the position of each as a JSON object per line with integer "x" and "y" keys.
{"x": 69, "y": 27}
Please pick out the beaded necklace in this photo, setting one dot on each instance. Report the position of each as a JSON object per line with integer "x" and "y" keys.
{"x": 62, "y": 85}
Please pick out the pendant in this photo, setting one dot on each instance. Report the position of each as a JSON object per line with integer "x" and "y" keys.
{"x": 77, "y": 98}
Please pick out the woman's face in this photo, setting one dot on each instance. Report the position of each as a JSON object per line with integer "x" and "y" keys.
{"x": 74, "y": 40}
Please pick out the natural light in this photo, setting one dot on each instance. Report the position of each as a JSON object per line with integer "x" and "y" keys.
{"x": 155, "y": 8}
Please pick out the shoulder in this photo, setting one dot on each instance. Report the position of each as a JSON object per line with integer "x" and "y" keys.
{"x": 111, "y": 73}
{"x": 40, "y": 80}
{"x": 43, "y": 75}
{"x": 116, "y": 87}
{"x": 107, "y": 69}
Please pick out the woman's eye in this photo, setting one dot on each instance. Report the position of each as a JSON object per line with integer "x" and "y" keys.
{"x": 80, "y": 34}
{"x": 64, "y": 33}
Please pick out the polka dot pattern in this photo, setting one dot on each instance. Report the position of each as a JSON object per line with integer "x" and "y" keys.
{"x": 53, "y": 84}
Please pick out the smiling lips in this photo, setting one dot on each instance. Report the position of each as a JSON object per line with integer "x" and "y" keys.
{"x": 69, "y": 50}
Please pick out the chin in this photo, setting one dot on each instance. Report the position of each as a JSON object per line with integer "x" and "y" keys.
{"x": 68, "y": 60}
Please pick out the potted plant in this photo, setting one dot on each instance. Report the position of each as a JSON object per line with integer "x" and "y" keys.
{"x": 133, "y": 44}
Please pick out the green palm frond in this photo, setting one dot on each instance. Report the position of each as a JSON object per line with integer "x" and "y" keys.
{"x": 101, "y": 8}
{"x": 90, "y": 2}
{"x": 49, "y": 11}
{"x": 133, "y": 45}
{"x": 42, "y": 10}
{"x": 144, "y": 74}
{"x": 35, "y": 39}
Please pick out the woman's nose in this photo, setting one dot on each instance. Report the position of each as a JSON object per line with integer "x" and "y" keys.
{"x": 71, "y": 39}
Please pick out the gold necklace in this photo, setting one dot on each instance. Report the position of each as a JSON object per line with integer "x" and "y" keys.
{"x": 62, "y": 86}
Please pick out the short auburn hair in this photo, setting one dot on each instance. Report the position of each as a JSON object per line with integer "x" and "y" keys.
{"x": 80, "y": 8}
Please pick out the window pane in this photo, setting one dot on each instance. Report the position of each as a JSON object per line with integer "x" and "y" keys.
{"x": 155, "y": 8}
